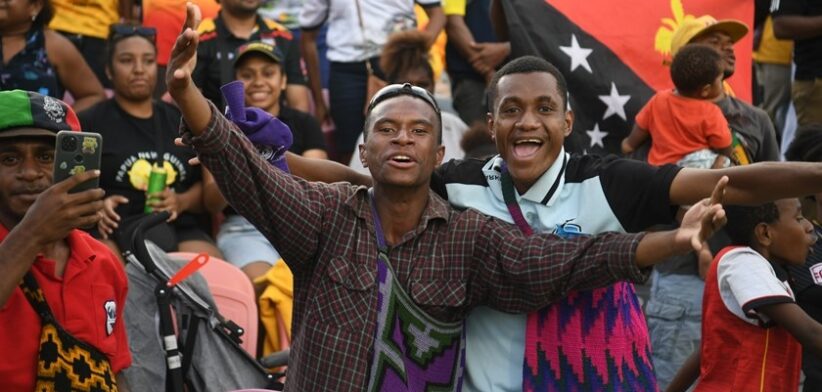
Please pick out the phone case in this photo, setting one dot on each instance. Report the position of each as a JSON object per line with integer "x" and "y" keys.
{"x": 77, "y": 152}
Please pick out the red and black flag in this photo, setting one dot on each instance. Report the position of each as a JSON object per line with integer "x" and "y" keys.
{"x": 614, "y": 54}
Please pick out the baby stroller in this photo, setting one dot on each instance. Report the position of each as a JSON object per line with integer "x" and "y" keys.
{"x": 179, "y": 341}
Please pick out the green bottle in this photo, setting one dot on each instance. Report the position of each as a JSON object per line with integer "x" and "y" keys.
{"x": 156, "y": 184}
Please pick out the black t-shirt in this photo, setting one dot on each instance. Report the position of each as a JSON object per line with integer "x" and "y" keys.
{"x": 807, "y": 53}
{"x": 131, "y": 146}
{"x": 306, "y": 130}
{"x": 806, "y": 280}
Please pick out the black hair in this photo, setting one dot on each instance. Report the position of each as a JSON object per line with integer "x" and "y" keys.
{"x": 477, "y": 142}
{"x": 807, "y": 145}
{"x": 405, "y": 52}
{"x": 742, "y": 220}
{"x": 695, "y": 66}
{"x": 527, "y": 64}
{"x": 114, "y": 39}
{"x": 45, "y": 15}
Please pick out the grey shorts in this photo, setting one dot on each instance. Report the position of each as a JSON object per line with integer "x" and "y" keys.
{"x": 242, "y": 244}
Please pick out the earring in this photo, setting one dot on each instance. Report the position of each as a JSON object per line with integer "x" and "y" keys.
{"x": 33, "y": 17}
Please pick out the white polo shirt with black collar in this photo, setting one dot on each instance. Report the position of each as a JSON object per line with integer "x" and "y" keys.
{"x": 578, "y": 194}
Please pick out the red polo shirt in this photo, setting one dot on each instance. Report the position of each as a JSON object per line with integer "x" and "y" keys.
{"x": 92, "y": 278}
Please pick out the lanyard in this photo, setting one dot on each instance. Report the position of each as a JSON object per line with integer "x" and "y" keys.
{"x": 511, "y": 202}
{"x": 514, "y": 209}
{"x": 381, "y": 245}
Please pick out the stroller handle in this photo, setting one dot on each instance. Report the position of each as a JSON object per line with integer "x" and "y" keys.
{"x": 138, "y": 236}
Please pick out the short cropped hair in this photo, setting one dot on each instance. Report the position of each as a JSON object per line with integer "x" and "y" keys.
{"x": 46, "y": 14}
{"x": 527, "y": 64}
{"x": 695, "y": 66}
{"x": 742, "y": 220}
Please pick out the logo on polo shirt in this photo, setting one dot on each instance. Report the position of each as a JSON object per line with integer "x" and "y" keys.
{"x": 568, "y": 229}
{"x": 816, "y": 273}
{"x": 111, "y": 316}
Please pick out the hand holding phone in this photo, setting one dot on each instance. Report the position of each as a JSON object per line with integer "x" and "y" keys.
{"x": 55, "y": 212}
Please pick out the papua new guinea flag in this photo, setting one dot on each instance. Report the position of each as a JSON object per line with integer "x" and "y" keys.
{"x": 614, "y": 54}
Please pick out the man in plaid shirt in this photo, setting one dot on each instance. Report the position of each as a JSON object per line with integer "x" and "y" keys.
{"x": 447, "y": 261}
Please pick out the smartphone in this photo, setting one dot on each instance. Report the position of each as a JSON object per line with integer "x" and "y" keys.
{"x": 77, "y": 152}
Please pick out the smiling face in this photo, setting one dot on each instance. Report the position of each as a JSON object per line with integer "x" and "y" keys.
{"x": 26, "y": 166}
{"x": 791, "y": 235}
{"x": 529, "y": 125}
{"x": 401, "y": 147}
{"x": 133, "y": 69}
{"x": 723, "y": 43}
{"x": 263, "y": 81}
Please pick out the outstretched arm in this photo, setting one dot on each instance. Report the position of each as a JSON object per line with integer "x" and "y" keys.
{"x": 323, "y": 170}
{"x": 805, "y": 329}
{"x": 797, "y": 26}
{"x": 519, "y": 274}
{"x": 700, "y": 222}
{"x": 751, "y": 184}
{"x": 286, "y": 210}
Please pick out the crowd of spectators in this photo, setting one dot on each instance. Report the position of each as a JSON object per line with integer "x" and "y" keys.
{"x": 316, "y": 65}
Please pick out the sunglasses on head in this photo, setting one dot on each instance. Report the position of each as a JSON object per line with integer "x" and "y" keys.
{"x": 123, "y": 30}
{"x": 393, "y": 90}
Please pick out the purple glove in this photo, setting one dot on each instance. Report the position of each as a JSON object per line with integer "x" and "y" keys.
{"x": 271, "y": 137}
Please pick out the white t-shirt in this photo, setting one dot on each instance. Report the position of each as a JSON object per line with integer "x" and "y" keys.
{"x": 345, "y": 39}
{"x": 748, "y": 281}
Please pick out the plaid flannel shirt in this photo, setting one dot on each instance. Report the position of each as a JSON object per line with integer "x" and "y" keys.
{"x": 450, "y": 263}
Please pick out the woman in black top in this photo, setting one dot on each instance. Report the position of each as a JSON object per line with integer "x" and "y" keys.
{"x": 137, "y": 134}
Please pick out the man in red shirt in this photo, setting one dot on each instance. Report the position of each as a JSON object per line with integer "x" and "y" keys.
{"x": 61, "y": 291}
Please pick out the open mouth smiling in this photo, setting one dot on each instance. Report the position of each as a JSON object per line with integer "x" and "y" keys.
{"x": 526, "y": 148}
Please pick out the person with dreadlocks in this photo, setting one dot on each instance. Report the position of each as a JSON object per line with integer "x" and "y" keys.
{"x": 404, "y": 59}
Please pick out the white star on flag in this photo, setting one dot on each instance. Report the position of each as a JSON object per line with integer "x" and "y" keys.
{"x": 596, "y": 136}
{"x": 579, "y": 55}
{"x": 615, "y": 102}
